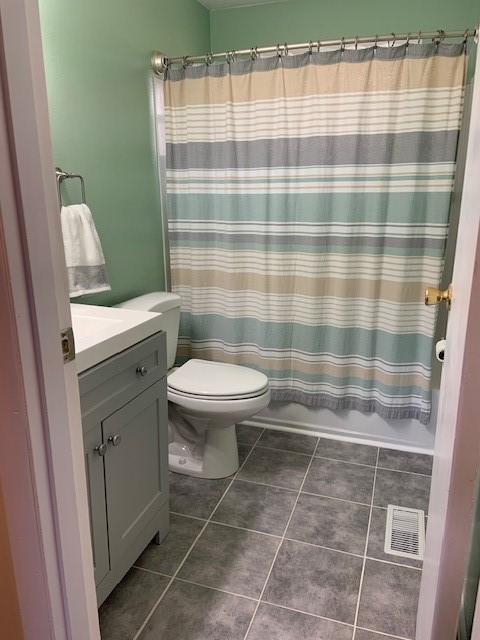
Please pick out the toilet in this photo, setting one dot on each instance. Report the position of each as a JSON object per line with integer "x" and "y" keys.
{"x": 205, "y": 400}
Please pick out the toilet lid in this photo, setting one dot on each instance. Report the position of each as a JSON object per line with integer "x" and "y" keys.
{"x": 202, "y": 378}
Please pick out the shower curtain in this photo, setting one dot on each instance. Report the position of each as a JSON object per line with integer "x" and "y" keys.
{"x": 308, "y": 201}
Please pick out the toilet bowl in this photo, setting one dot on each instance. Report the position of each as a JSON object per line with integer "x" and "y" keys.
{"x": 205, "y": 400}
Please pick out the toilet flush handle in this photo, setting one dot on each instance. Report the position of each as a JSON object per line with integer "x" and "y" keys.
{"x": 142, "y": 371}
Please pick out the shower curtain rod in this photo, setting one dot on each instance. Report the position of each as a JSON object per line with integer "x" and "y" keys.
{"x": 160, "y": 61}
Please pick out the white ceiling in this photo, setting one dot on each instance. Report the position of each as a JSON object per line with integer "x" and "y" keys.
{"x": 230, "y": 4}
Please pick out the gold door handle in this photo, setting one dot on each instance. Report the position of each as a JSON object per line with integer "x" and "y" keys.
{"x": 436, "y": 296}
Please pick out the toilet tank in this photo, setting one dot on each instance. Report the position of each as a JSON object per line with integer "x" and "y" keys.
{"x": 168, "y": 304}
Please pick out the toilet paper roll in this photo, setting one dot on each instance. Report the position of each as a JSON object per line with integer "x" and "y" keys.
{"x": 440, "y": 350}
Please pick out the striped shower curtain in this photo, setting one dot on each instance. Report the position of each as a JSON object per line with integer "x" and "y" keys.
{"x": 309, "y": 202}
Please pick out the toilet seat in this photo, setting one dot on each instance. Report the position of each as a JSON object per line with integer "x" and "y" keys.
{"x": 205, "y": 380}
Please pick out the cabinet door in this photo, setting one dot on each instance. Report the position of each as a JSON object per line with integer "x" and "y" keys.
{"x": 136, "y": 466}
{"x": 96, "y": 502}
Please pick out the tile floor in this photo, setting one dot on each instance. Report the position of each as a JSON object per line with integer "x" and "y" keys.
{"x": 289, "y": 548}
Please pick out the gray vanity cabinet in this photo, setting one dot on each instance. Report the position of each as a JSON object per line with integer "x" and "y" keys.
{"x": 125, "y": 432}
{"x": 133, "y": 468}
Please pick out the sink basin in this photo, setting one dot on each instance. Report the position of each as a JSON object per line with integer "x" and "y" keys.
{"x": 101, "y": 332}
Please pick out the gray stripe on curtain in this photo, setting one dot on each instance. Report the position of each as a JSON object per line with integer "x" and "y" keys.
{"x": 414, "y": 147}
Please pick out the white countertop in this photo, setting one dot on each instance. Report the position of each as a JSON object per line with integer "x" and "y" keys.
{"x": 102, "y": 332}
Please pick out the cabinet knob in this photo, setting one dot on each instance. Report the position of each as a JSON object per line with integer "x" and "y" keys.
{"x": 115, "y": 440}
{"x": 101, "y": 449}
{"x": 142, "y": 371}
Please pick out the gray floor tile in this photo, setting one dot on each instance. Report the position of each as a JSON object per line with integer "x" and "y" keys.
{"x": 376, "y": 540}
{"x": 405, "y": 461}
{"x": 288, "y": 441}
{"x": 256, "y": 506}
{"x": 331, "y": 523}
{"x": 315, "y": 580}
{"x": 281, "y": 468}
{"x": 347, "y": 451}
{"x": 389, "y": 599}
{"x": 275, "y": 623}
{"x": 123, "y": 612}
{"x": 361, "y": 634}
{"x": 231, "y": 559}
{"x": 167, "y": 556}
{"x": 247, "y": 435}
{"x": 189, "y": 612}
{"x": 340, "y": 480}
{"x": 403, "y": 489}
{"x": 243, "y": 451}
{"x": 195, "y": 496}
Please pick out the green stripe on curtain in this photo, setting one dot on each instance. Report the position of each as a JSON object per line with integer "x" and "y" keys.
{"x": 309, "y": 203}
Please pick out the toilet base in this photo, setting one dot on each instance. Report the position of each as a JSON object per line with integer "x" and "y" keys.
{"x": 215, "y": 457}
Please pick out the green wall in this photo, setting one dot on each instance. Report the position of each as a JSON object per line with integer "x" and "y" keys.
{"x": 99, "y": 87}
{"x": 303, "y": 20}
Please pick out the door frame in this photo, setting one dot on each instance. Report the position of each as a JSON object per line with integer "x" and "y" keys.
{"x": 457, "y": 445}
{"x": 42, "y": 472}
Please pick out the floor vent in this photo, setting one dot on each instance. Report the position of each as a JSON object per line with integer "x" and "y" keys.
{"x": 405, "y": 532}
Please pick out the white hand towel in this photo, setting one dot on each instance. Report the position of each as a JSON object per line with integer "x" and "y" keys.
{"x": 83, "y": 251}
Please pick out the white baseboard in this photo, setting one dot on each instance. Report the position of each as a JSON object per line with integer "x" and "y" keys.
{"x": 332, "y": 433}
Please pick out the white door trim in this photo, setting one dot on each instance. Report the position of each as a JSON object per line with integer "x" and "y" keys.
{"x": 40, "y": 301}
{"x": 457, "y": 442}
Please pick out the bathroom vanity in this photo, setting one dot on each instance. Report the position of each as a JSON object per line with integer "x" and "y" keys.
{"x": 121, "y": 360}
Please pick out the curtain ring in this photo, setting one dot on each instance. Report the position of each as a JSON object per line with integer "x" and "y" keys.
{"x": 437, "y": 40}
{"x": 285, "y": 49}
{"x": 254, "y": 53}
{"x": 185, "y": 62}
{"x": 375, "y": 45}
{"x": 209, "y": 59}
{"x": 394, "y": 39}
{"x": 319, "y": 44}
{"x": 408, "y": 39}
{"x": 465, "y": 40}
{"x": 419, "y": 37}
{"x": 356, "y": 43}
{"x": 342, "y": 46}
{"x": 310, "y": 47}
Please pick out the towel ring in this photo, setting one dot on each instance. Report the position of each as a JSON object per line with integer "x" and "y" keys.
{"x": 64, "y": 175}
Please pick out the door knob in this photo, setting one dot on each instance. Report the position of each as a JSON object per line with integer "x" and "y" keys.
{"x": 101, "y": 449}
{"x": 436, "y": 296}
{"x": 115, "y": 440}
